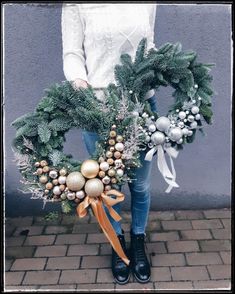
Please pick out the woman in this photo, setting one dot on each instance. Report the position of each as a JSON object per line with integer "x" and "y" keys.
{"x": 94, "y": 36}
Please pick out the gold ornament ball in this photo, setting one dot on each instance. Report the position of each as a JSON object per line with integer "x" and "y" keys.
{"x": 43, "y": 179}
{"x": 49, "y": 186}
{"x": 101, "y": 174}
{"x": 37, "y": 164}
{"x": 112, "y": 134}
{"x": 63, "y": 172}
{"x": 62, "y": 180}
{"x": 109, "y": 154}
{"x": 107, "y": 188}
{"x": 110, "y": 161}
{"x": 75, "y": 181}
{"x": 111, "y": 172}
{"x": 46, "y": 169}
{"x": 90, "y": 168}
{"x": 113, "y": 180}
{"x": 119, "y": 147}
{"x": 62, "y": 188}
{"x": 43, "y": 163}
{"x": 111, "y": 142}
{"x": 55, "y": 182}
{"x": 117, "y": 154}
{"x": 39, "y": 171}
{"x": 101, "y": 159}
{"x": 119, "y": 138}
{"x": 94, "y": 187}
{"x": 63, "y": 196}
{"x": 112, "y": 149}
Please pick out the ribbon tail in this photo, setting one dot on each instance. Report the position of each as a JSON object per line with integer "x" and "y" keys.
{"x": 150, "y": 153}
{"x": 82, "y": 207}
{"x": 169, "y": 177}
{"x": 108, "y": 230}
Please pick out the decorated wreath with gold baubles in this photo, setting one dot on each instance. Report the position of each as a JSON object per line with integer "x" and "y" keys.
{"x": 125, "y": 124}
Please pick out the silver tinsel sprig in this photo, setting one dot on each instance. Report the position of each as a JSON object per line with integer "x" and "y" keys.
{"x": 28, "y": 144}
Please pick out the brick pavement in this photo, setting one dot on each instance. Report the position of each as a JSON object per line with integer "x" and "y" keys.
{"x": 187, "y": 250}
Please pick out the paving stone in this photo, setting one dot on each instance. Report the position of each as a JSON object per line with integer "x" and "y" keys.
{"x": 221, "y": 271}
{"x": 176, "y": 225}
{"x": 105, "y": 249}
{"x": 25, "y": 264}
{"x": 104, "y": 276}
{"x": 189, "y": 273}
{"x": 63, "y": 262}
{"x": 57, "y": 229}
{"x": 40, "y": 220}
{"x": 195, "y": 235}
{"x": 206, "y": 224}
{"x": 135, "y": 286}
{"x": 173, "y": 285}
{"x": 215, "y": 245}
{"x": 20, "y": 288}
{"x": 160, "y": 274}
{"x": 217, "y": 285}
{"x": 188, "y": 214}
{"x": 96, "y": 262}
{"x": 78, "y": 276}
{"x": 13, "y": 278}
{"x": 20, "y": 221}
{"x": 70, "y": 239}
{"x": 226, "y": 257}
{"x": 170, "y": 236}
{"x": 58, "y": 287}
{"x": 153, "y": 226}
{"x": 41, "y": 277}
{"x": 221, "y": 233}
{"x": 182, "y": 246}
{"x": 203, "y": 258}
{"x": 156, "y": 248}
{"x": 9, "y": 230}
{"x": 54, "y": 250}
{"x": 8, "y": 264}
{"x": 29, "y": 231}
{"x": 86, "y": 228}
{"x": 15, "y": 241}
{"x": 96, "y": 287}
{"x": 96, "y": 238}
{"x": 162, "y": 215}
{"x": 168, "y": 260}
{"x": 73, "y": 219}
{"x": 39, "y": 240}
{"x": 217, "y": 213}
{"x": 226, "y": 223}
{"x": 82, "y": 250}
{"x": 19, "y": 252}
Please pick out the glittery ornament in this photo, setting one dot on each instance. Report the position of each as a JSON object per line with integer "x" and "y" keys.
{"x": 63, "y": 196}
{"x": 80, "y": 194}
{"x": 106, "y": 180}
{"x": 112, "y": 134}
{"x": 119, "y": 138}
{"x": 182, "y": 115}
{"x": 62, "y": 187}
{"x": 90, "y": 168}
{"x": 111, "y": 142}
{"x": 62, "y": 180}
{"x": 94, "y": 187}
{"x": 163, "y": 123}
{"x": 43, "y": 179}
{"x": 152, "y": 128}
{"x": 49, "y": 186}
{"x": 117, "y": 154}
{"x": 75, "y": 181}
{"x": 63, "y": 172}
{"x": 118, "y": 163}
{"x": 55, "y": 182}
{"x": 185, "y": 131}
{"x": 71, "y": 195}
{"x": 101, "y": 174}
{"x": 193, "y": 125}
{"x": 175, "y": 134}
{"x": 110, "y": 161}
{"x": 119, "y": 147}
{"x": 120, "y": 172}
{"x": 104, "y": 166}
{"x": 53, "y": 174}
{"x": 43, "y": 163}
{"x": 198, "y": 116}
{"x": 37, "y": 164}
{"x": 181, "y": 124}
{"x": 111, "y": 172}
{"x": 39, "y": 171}
{"x": 101, "y": 159}
{"x": 109, "y": 154}
{"x": 56, "y": 190}
{"x": 46, "y": 169}
{"x": 158, "y": 138}
{"x": 113, "y": 180}
{"x": 191, "y": 118}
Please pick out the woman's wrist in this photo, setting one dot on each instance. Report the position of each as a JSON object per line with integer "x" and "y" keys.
{"x": 79, "y": 83}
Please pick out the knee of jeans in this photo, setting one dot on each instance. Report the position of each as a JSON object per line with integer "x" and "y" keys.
{"x": 140, "y": 187}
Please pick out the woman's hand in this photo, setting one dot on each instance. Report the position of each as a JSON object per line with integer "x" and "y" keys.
{"x": 78, "y": 83}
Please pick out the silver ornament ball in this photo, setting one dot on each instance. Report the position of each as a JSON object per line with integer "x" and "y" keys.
{"x": 198, "y": 116}
{"x": 120, "y": 172}
{"x": 190, "y": 118}
{"x": 152, "y": 128}
{"x": 119, "y": 147}
{"x": 182, "y": 114}
{"x": 195, "y": 110}
{"x": 53, "y": 174}
{"x": 80, "y": 194}
{"x": 193, "y": 125}
{"x": 175, "y": 134}
{"x": 163, "y": 123}
{"x": 56, "y": 190}
{"x": 62, "y": 180}
{"x": 104, "y": 166}
{"x": 158, "y": 138}
{"x": 181, "y": 124}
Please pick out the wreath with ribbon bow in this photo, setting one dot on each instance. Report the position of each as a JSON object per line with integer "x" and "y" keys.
{"x": 125, "y": 125}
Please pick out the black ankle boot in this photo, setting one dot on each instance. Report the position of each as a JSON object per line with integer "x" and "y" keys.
{"x": 121, "y": 271}
{"x": 139, "y": 261}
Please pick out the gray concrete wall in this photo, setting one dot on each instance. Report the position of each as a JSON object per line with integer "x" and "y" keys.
{"x": 32, "y": 37}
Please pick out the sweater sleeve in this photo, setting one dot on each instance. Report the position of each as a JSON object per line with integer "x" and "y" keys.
{"x": 152, "y": 17}
{"x": 72, "y": 28}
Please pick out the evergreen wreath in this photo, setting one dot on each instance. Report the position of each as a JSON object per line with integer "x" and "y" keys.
{"x": 123, "y": 120}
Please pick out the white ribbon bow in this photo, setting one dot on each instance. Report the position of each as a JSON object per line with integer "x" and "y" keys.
{"x": 168, "y": 176}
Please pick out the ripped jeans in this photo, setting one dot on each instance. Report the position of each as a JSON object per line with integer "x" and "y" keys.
{"x": 139, "y": 187}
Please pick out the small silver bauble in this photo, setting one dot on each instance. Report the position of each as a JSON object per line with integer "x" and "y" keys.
{"x": 130, "y": 92}
{"x": 187, "y": 112}
{"x": 195, "y": 109}
{"x": 62, "y": 180}
{"x": 190, "y": 133}
{"x": 196, "y": 86}
{"x": 185, "y": 131}
{"x": 152, "y": 128}
{"x": 56, "y": 190}
{"x": 163, "y": 123}
{"x": 175, "y": 134}
{"x": 158, "y": 138}
{"x": 181, "y": 124}
{"x": 53, "y": 174}
{"x": 120, "y": 172}
{"x": 180, "y": 141}
{"x": 104, "y": 166}
{"x": 106, "y": 180}
{"x": 185, "y": 120}
{"x": 147, "y": 139}
{"x": 71, "y": 195}
{"x": 152, "y": 117}
{"x": 194, "y": 101}
{"x": 119, "y": 147}
{"x": 182, "y": 114}
{"x": 177, "y": 110}
{"x": 80, "y": 194}
{"x": 191, "y": 118}
{"x": 193, "y": 125}
{"x": 199, "y": 98}
{"x": 145, "y": 115}
{"x": 150, "y": 145}
{"x": 198, "y": 116}
{"x": 135, "y": 113}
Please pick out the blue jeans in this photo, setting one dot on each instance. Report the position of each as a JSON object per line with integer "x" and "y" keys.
{"x": 139, "y": 188}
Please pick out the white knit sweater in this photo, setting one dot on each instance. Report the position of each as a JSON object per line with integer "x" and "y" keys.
{"x": 95, "y": 35}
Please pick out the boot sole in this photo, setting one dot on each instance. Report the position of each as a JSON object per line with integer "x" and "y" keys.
{"x": 141, "y": 281}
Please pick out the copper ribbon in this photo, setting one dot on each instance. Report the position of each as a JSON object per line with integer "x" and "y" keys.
{"x": 96, "y": 204}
